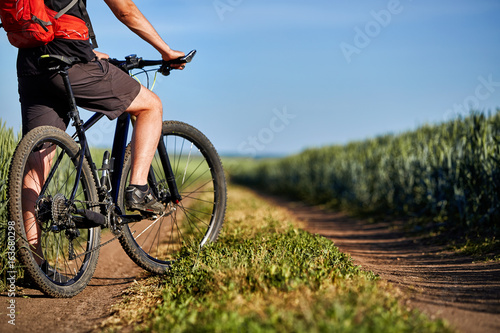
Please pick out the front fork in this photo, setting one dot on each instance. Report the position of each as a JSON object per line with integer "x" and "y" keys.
{"x": 169, "y": 173}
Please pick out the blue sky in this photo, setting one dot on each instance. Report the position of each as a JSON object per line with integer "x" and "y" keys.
{"x": 281, "y": 76}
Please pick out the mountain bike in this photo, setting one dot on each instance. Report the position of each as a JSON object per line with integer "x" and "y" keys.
{"x": 73, "y": 200}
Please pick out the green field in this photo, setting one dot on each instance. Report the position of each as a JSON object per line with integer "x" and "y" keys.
{"x": 444, "y": 178}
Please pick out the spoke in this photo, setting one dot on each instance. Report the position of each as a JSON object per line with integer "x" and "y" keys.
{"x": 158, "y": 239}
{"x": 79, "y": 244}
{"x": 156, "y": 236}
{"x": 197, "y": 178}
{"x": 189, "y": 219}
{"x": 178, "y": 156}
{"x": 65, "y": 263}
{"x": 193, "y": 216}
{"x": 56, "y": 262}
{"x": 179, "y": 231}
{"x": 193, "y": 172}
{"x": 197, "y": 211}
{"x": 187, "y": 163}
{"x": 201, "y": 200}
{"x": 153, "y": 223}
{"x": 170, "y": 241}
{"x": 196, "y": 190}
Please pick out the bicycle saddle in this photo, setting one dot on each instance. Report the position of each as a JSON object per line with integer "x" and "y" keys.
{"x": 55, "y": 62}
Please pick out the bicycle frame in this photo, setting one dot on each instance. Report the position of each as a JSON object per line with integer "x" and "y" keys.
{"x": 117, "y": 153}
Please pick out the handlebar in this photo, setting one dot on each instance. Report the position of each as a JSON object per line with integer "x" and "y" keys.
{"x": 133, "y": 62}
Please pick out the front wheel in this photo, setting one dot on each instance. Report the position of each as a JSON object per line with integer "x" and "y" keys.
{"x": 194, "y": 221}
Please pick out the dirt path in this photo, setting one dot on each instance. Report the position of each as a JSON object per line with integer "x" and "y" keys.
{"x": 38, "y": 313}
{"x": 440, "y": 283}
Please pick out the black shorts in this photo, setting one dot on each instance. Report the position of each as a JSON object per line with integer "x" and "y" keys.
{"x": 98, "y": 86}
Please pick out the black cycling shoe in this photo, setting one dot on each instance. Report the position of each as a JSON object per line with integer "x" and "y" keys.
{"x": 135, "y": 199}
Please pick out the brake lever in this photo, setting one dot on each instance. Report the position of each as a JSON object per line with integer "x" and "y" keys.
{"x": 166, "y": 66}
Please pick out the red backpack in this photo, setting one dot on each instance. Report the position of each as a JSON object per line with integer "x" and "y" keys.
{"x": 30, "y": 23}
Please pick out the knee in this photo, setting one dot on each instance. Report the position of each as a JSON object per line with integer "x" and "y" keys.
{"x": 156, "y": 105}
{"x": 152, "y": 104}
{"x": 147, "y": 102}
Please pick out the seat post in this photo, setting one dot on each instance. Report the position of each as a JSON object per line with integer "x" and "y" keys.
{"x": 78, "y": 123}
{"x": 73, "y": 110}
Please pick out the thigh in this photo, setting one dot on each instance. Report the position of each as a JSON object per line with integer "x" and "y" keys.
{"x": 40, "y": 106}
{"x": 101, "y": 87}
{"x": 97, "y": 86}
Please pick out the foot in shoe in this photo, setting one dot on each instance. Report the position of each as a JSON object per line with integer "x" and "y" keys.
{"x": 142, "y": 200}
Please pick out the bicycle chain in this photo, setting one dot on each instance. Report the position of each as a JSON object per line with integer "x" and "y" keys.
{"x": 98, "y": 247}
{"x": 95, "y": 204}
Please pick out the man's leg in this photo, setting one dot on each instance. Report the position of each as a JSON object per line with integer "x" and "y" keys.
{"x": 148, "y": 110}
{"x": 37, "y": 169}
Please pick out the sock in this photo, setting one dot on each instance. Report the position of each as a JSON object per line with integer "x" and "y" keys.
{"x": 142, "y": 188}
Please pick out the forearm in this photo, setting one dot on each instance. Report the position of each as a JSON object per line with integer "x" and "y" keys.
{"x": 128, "y": 13}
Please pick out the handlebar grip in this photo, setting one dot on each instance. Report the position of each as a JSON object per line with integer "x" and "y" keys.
{"x": 189, "y": 56}
{"x": 182, "y": 60}
{"x": 166, "y": 65}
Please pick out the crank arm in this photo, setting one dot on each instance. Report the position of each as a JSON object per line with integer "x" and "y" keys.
{"x": 126, "y": 219}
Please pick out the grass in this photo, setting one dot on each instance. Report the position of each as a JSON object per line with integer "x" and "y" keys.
{"x": 488, "y": 249}
{"x": 265, "y": 274}
{"x": 8, "y": 142}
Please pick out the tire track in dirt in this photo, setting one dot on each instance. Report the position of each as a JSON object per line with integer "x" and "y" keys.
{"x": 82, "y": 313}
{"x": 440, "y": 283}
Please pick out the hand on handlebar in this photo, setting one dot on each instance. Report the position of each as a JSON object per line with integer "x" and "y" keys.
{"x": 176, "y": 63}
{"x": 101, "y": 55}
{"x": 172, "y": 55}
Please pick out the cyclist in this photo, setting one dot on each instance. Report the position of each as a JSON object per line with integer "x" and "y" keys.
{"x": 100, "y": 87}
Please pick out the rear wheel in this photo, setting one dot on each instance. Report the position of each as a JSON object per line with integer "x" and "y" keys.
{"x": 196, "y": 220}
{"x": 59, "y": 257}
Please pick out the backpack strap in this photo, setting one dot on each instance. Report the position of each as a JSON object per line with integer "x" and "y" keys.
{"x": 86, "y": 16}
{"x": 65, "y": 9}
